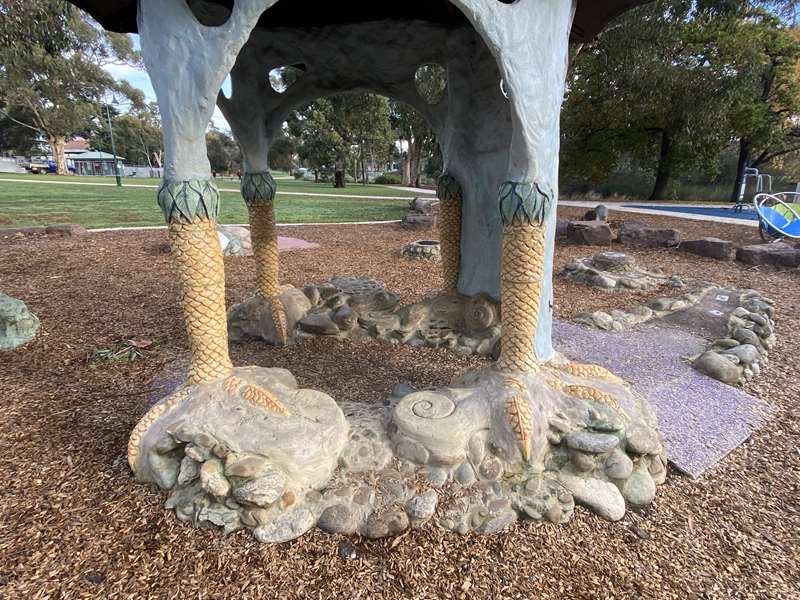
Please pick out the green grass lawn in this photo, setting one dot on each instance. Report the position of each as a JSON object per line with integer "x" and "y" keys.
{"x": 30, "y": 204}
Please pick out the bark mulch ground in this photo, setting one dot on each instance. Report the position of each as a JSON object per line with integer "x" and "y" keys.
{"x": 74, "y": 524}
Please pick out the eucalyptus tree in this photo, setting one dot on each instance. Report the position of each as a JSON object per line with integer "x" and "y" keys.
{"x": 51, "y": 69}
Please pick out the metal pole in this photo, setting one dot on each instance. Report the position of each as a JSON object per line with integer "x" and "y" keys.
{"x": 113, "y": 148}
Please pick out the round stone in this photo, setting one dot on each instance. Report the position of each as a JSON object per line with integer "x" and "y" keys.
{"x": 603, "y": 320}
{"x": 496, "y": 523}
{"x": 319, "y": 324}
{"x": 412, "y": 450}
{"x": 601, "y": 497}
{"x": 717, "y": 366}
{"x": 339, "y": 518}
{"x": 641, "y": 439}
{"x": 437, "y": 476}
{"x": 746, "y": 353}
{"x": 745, "y": 336}
{"x": 422, "y": 506}
{"x": 465, "y": 474}
{"x": 583, "y": 462}
{"x": 640, "y": 489}
{"x": 213, "y": 480}
{"x": 491, "y": 468}
{"x": 262, "y": 491}
{"x": 619, "y": 466}
{"x": 288, "y": 526}
{"x": 594, "y": 443}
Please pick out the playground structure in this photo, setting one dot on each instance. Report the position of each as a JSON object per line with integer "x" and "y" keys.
{"x": 763, "y": 184}
{"x": 778, "y": 215}
{"x": 527, "y": 438}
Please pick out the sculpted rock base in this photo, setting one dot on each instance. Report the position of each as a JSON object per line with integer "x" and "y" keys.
{"x": 254, "y": 452}
{"x": 255, "y": 318}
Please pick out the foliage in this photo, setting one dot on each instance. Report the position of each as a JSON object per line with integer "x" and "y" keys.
{"x": 137, "y": 134}
{"x": 282, "y": 151}
{"x": 670, "y": 86}
{"x": 223, "y": 152}
{"x": 417, "y": 139}
{"x": 52, "y": 75}
{"x": 651, "y": 88}
{"x": 123, "y": 351}
{"x": 765, "y": 112}
{"x": 388, "y": 179}
{"x": 338, "y": 130}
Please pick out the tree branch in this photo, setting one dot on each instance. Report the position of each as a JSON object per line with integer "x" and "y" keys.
{"x": 18, "y": 122}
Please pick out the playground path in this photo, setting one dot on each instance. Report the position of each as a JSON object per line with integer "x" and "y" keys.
{"x": 702, "y": 419}
{"x": 666, "y": 210}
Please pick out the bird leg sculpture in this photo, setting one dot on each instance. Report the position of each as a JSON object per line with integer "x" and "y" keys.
{"x": 450, "y": 197}
{"x": 191, "y": 208}
{"x": 523, "y": 207}
{"x": 258, "y": 190}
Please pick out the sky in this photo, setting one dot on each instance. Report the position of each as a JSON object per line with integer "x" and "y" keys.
{"x": 140, "y": 79}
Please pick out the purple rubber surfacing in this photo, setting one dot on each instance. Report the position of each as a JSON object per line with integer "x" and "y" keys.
{"x": 702, "y": 419}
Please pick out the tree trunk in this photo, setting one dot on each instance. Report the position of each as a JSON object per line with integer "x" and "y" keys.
{"x": 363, "y": 165}
{"x": 57, "y": 143}
{"x": 405, "y": 165}
{"x": 415, "y": 156}
{"x": 664, "y": 167}
{"x": 338, "y": 175}
{"x": 741, "y": 165}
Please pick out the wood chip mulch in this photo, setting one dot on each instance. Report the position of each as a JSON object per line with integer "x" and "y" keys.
{"x": 74, "y": 523}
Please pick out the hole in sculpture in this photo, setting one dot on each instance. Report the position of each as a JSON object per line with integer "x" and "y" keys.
{"x": 431, "y": 82}
{"x": 210, "y": 14}
{"x": 282, "y": 78}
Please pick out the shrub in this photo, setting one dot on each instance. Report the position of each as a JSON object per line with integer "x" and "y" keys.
{"x": 388, "y": 179}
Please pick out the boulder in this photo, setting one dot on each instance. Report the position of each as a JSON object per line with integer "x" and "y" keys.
{"x": 319, "y": 324}
{"x": 234, "y": 240}
{"x": 777, "y": 254}
{"x": 598, "y": 213}
{"x": 711, "y": 247}
{"x": 65, "y": 229}
{"x": 616, "y": 262}
{"x": 589, "y": 233}
{"x": 636, "y": 233}
{"x": 425, "y": 206}
{"x": 419, "y": 221}
{"x": 601, "y": 497}
{"x": 17, "y": 324}
{"x": 717, "y": 366}
{"x": 561, "y": 228}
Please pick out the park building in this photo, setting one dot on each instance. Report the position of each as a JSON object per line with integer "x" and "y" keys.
{"x": 93, "y": 162}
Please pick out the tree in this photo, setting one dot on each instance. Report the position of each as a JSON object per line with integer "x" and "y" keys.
{"x": 137, "y": 134}
{"x": 417, "y": 136}
{"x": 671, "y": 85}
{"x": 53, "y": 81}
{"x": 765, "y": 114}
{"x": 362, "y": 123}
{"x": 282, "y": 151}
{"x": 318, "y": 142}
{"x": 655, "y": 87}
{"x": 223, "y": 151}
{"x": 336, "y": 130}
